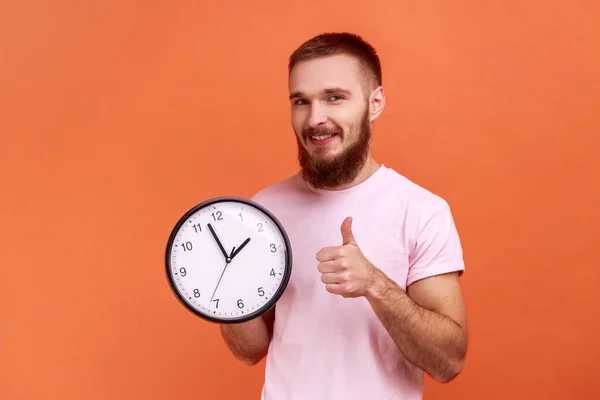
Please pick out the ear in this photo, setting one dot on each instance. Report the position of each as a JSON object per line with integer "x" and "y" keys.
{"x": 376, "y": 103}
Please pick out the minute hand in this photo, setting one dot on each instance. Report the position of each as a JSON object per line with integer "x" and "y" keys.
{"x": 219, "y": 243}
{"x": 236, "y": 251}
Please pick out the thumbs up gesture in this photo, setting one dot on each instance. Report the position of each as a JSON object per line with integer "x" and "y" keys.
{"x": 344, "y": 269}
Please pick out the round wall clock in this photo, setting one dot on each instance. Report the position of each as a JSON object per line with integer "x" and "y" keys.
{"x": 228, "y": 259}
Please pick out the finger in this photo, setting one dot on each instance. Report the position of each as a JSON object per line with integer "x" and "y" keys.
{"x": 335, "y": 288}
{"x": 330, "y": 253}
{"x": 340, "y": 277}
{"x": 325, "y": 267}
{"x": 346, "y": 229}
{"x": 330, "y": 278}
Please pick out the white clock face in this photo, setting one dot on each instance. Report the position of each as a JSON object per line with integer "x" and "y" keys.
{"x": 228, "y": 260}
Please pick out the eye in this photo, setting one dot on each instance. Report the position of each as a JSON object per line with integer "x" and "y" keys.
{"x": 335, "y": 98}
{"x": 300, "y": 102}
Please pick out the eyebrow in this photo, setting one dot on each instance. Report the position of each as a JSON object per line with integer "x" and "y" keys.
{"x": 324, "y": 91}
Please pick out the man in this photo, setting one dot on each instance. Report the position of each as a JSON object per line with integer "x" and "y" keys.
{"x": 374, "y": 297}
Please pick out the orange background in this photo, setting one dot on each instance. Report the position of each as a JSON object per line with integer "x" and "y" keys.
{"x": 119, "y": 116}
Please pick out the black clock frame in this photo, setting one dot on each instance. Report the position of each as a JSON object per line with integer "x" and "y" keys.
{"x": 284, "y": 280}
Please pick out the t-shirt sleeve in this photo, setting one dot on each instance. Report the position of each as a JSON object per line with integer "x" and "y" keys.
{"x": 437, "y": 248}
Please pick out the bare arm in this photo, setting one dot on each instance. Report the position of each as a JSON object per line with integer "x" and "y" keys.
{"x": 249, "y": 341}
{"x": 428, "y": 323}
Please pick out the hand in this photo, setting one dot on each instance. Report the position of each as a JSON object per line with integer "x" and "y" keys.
{"x": 344, "y": 269}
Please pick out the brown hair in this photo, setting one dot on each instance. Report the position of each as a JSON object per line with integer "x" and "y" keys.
{"x": 327, "y": 44}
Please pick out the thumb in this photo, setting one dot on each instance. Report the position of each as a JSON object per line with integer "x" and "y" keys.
{"x": 346, "y": 229}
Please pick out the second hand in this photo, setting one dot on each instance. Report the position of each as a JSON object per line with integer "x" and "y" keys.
{"x": 221, "y": 277}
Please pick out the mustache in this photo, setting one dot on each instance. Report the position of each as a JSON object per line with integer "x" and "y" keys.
{"x": 322, "y": 130}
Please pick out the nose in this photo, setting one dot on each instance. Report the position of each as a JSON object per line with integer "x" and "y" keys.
{"x": 317, "y": 115}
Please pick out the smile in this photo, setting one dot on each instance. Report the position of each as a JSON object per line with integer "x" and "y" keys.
{"x": 322, "y": 140}
{"x": 321, "y": 137}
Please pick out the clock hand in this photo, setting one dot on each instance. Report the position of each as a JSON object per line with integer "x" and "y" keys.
{"x": 214, "y": 234}
{"x": 234, "y": 253}
{"x": 221, "y": 277}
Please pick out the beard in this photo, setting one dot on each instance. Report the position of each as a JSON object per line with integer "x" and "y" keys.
{"x": 332, "y": 172}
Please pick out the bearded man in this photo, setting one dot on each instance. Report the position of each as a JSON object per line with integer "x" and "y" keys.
{"x": 374, "y": 299}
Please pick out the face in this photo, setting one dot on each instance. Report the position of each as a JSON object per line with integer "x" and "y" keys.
{"x": 332, "y": 111}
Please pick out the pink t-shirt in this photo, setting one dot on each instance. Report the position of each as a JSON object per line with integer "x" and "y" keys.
{"x": 325, "y": 346}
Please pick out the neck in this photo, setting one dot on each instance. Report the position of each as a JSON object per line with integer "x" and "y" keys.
{"x": 368, "y": 169}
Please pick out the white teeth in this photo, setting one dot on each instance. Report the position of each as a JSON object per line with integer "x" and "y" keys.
{"x": 321, "y": 137}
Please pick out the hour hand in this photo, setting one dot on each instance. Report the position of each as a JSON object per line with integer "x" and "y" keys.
{"x": 218, "y": 242}
{"x": 235, "y": 252}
